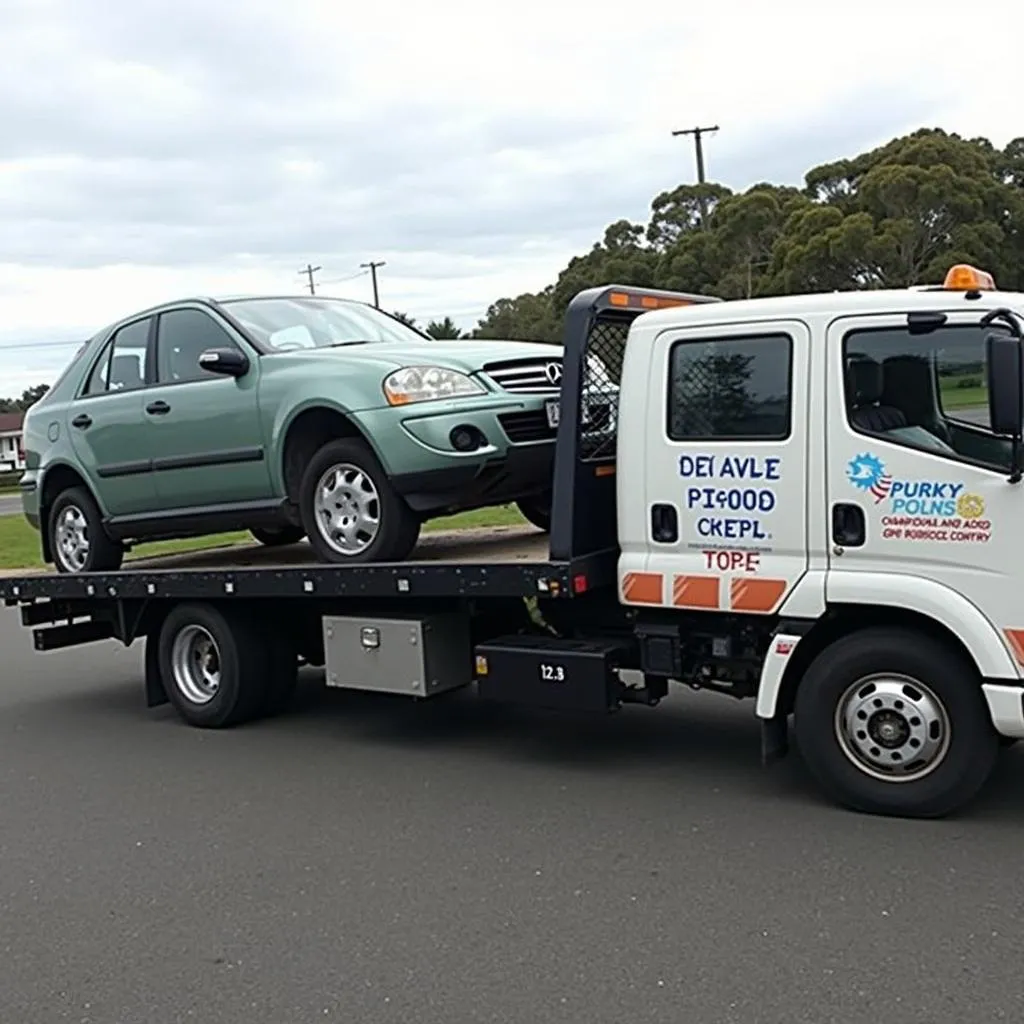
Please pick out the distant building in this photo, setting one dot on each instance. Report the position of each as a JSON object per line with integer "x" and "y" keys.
{"x": 12, "y": 450}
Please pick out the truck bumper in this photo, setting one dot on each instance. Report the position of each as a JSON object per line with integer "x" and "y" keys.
{"x": 1006, "y": 706}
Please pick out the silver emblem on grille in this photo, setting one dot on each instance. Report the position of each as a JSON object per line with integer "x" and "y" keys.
{"x": 553, "y": 372}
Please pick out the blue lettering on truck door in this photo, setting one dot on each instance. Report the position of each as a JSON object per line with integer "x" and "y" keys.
{"x": 737, "y": 498}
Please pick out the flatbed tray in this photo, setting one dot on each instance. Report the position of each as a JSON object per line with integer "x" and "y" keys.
{"x": 502, "y": 561}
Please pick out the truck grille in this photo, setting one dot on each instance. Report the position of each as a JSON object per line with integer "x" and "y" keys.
{"x": 527, "y": 376}
{"x": 526, "y": 426}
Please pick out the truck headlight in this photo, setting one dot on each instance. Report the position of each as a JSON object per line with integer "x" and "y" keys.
{"x": 428, "y": 384}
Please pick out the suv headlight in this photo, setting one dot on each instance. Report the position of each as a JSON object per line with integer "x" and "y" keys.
{"x": 428, "y": 384}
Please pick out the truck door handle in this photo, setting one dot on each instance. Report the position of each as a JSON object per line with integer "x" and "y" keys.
{"x": 158, "y": 408}
{"x": 664, "y": 524}
{"x": 849, "y": 528}
{"x": 82, "y": 421}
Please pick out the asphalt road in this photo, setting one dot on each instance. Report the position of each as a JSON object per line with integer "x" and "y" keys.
{"x": 10, "y": 504}
{"x": 368, "y": 859}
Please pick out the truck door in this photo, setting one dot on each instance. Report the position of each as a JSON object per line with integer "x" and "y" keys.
{"x": 917, "y": 482}
{"x": 726, "y": 460}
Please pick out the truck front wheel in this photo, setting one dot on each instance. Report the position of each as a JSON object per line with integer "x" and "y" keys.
{"x": 892, "y": 721}
{"x": 214, "y": 664}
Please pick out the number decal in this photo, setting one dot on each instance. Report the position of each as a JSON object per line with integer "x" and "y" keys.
{"x": 552, "y": 673}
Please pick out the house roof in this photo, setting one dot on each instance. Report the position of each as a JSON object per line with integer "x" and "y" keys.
{"x": 11, "y": 422}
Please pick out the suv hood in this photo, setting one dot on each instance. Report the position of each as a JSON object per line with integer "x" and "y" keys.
{"x": 466, "y": 356}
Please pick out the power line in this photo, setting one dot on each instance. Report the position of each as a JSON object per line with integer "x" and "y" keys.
{"x": 18, "y": 346}
{"x": 373, "y": 273}
{"x": 309, "y": 270}
{"x": 342, "y": 280}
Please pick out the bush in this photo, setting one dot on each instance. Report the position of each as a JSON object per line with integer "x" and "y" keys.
{"x": 969, "y": 382}
{"x": 8, "y": 481}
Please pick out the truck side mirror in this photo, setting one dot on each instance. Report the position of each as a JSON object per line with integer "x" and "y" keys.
{"x": 1005, "y": 401}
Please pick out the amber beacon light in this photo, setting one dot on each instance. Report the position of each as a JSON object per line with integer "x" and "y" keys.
{"x": 965, "y": 278}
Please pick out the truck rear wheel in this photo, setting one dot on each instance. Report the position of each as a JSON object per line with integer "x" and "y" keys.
{"x": 215, "y": 665}
{"x": 891, "y": 721}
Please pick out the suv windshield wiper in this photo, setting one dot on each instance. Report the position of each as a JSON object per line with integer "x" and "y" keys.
{"x": 342, "y": 344}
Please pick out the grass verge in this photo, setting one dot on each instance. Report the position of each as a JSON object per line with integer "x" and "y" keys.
{"x": 19, "y": 543}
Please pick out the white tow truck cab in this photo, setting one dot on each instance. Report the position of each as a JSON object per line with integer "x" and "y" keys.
{"x": 809, "y": 500}
{"x": 845, "y": 465}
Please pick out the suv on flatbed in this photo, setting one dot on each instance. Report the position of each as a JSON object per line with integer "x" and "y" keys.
{"x": 289, "y": 417}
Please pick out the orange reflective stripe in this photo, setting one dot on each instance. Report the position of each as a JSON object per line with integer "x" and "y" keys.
{"x": 696, "y": 591}
{"x": 643, "y": 587}
{"x": 751, "y": 594}
{"x": 1016, "y": 639}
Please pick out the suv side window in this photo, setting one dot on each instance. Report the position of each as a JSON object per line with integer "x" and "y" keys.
{"x": 183, "y": 336}
{"x": 736, "y": 389}
{"x": 927, "y": 391}
{"x": 122, "y": 367}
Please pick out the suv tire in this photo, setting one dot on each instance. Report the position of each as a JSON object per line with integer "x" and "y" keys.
{"x": 372, "y": 521}
{"x": 78, "y": 541}
{"x": 537, "y": 510}
{"x": 278, "y": 536}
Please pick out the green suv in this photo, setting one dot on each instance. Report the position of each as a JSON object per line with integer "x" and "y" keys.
{"x": 288, "y": 417}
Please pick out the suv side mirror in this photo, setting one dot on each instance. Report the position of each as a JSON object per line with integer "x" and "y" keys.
{"x": 1005, "y": 385}
{"x": 231, "y": 362}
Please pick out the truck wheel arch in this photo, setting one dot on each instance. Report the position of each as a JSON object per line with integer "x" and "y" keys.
{"x": 958, "y": 623}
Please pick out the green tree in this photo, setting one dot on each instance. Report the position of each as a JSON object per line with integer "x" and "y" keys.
{"x": 29, "y": 397}
{"x": 528, "y": 317}
{"x": 896, "y": 215}
{"x": 444, "y": 330}
{"x": 404, "y": 318}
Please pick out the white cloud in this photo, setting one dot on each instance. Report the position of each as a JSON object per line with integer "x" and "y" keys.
{"x": 160, "y": 148}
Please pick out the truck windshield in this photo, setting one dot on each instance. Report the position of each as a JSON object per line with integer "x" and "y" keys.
{"x": 283, "y": 325}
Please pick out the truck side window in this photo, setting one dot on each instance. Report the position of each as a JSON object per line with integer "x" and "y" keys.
{"x": 926, "y": 391}
{"x": 735, "y": 388}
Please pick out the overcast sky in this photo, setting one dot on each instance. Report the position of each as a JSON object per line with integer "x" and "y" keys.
{"x": 155, "y": 148}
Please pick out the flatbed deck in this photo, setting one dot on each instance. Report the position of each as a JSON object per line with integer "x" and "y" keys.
{"x": 501, "y": 561}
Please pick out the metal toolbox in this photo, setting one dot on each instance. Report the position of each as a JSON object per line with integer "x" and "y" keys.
{"x": 416, "y": 656}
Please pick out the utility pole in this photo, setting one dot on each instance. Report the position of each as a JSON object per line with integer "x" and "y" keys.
{"x": 309, "y": 270}
{"x": 698, "y": 142}
{"x": 373, "y": 274}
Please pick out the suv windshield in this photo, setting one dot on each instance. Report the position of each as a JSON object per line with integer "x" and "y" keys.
{"x": 284, "y": 325}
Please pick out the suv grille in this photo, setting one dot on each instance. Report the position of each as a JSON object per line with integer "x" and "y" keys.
{"x": 526, "y": 426}
{"x": 527, "y": 376}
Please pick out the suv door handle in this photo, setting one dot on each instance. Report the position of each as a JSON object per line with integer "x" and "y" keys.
{"x": 158, "y": 408}
{"x": 82, "y": 421}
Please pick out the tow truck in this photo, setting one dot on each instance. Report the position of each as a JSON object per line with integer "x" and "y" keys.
{"x": 808, "y": 501}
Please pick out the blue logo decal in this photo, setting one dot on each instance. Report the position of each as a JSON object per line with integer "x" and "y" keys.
{"x": 867, "y": 473}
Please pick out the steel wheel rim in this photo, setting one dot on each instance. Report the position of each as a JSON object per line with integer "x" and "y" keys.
{"x": 196, "y": 664}
{"x": 892, "y": 727}
{"x": 72, "y": 538}
{"x": 346, "y": 506}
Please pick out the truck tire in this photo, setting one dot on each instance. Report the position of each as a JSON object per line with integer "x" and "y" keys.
{"x": 350, "y": 511}
{"x": 78, "y": 541}
{"x": 537, "y": 511}
{"x": 215, "y": 665}
{"x": 892, "y": 721}
{"x": 278, "y": 536}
